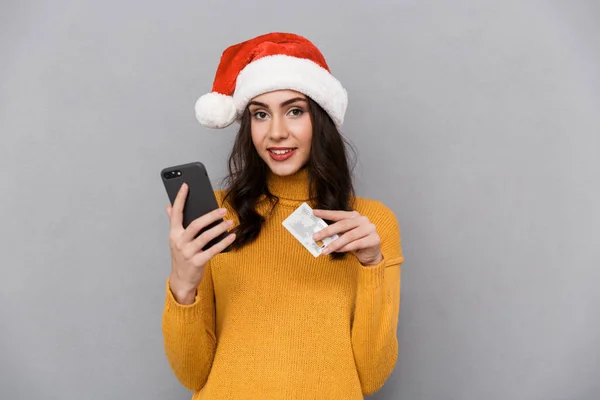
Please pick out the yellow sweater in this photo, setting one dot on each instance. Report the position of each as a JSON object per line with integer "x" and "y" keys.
{"x": 270, "y": 321}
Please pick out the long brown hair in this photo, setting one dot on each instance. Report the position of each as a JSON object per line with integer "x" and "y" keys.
{"x": 330, "y": 175}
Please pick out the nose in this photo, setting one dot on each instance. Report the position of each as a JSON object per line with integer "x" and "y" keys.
{"x": 278, "y": 129}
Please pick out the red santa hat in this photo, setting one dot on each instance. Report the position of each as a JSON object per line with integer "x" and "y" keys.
{"x": 266, "y": 63}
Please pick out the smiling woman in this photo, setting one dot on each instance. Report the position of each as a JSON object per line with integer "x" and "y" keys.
{"x": 288, "y": 122}
{"x": 269, "y": 319}
{"x": 281, "y": 130}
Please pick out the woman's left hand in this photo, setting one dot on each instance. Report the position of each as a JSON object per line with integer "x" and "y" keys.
{"x": 356, "y": 234}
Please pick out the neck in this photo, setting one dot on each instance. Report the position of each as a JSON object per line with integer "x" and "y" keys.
{"x": 291, "y": 187}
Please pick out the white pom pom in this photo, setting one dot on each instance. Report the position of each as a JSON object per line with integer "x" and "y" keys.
{"x": 215, "y": 110}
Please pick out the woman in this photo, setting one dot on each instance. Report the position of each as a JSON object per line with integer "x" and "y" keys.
{"x": 268, "y": 320}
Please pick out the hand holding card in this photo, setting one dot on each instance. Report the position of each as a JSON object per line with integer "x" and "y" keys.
{"x": 358, "y": 235}
{"x": 302, "y": 224}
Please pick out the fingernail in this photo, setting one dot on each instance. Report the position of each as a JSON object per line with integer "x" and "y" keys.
{"x": 326, "y": 250}
{"x": 222, "y": 211}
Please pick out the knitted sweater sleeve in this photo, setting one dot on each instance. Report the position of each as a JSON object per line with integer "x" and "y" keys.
{"x": 375, "y": 320}
{"x": 189, "y": 334}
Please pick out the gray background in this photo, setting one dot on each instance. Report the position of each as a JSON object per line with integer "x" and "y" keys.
{"x": 476, "y": 122}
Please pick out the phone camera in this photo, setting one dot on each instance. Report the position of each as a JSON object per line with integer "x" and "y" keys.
{"x": 171, "y": 174}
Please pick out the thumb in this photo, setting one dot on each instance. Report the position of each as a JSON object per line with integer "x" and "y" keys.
{"x": 169, "y": 208}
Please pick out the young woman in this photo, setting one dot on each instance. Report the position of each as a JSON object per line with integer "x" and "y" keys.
{"x": 268, "y": 320}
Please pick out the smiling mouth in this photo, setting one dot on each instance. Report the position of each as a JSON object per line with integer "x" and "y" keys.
{"x": 281, "y": 151}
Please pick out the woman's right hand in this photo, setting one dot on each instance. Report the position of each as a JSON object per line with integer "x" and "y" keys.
{"x": 187, "y": 258}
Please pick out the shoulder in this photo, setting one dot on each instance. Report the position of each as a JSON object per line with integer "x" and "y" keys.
{"x": 222, "y": 202}
{"x": 386, "y": 223}
{"x": 376, "y": 211}
{"x": 220, "y": 196}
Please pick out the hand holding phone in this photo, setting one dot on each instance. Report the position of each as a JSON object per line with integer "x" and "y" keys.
{"x": 197, "y": 230}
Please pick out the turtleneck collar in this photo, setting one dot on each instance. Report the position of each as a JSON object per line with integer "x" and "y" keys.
{"x": 292, "y": 187}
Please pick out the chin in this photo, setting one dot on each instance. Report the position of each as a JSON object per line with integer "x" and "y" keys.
{"x": 284, "y": 170}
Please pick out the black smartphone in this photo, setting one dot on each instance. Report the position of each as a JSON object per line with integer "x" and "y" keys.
{"x": 200, "y": 198}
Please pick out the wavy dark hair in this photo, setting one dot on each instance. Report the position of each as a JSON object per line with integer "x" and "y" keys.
{"x": 329, "y": 171}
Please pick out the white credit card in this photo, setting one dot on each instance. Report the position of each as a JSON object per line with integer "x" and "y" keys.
{"x": 302, "y": 224}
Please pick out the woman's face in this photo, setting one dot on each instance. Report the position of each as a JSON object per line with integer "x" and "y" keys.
{"x": 281, "y": 130}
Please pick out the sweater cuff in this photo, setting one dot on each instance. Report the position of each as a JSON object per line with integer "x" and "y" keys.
{"x": 182, "y": 313}
{"x": 371, "y": 276}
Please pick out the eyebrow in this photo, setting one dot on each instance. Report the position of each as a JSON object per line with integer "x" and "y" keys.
{"x": 285, "y": 103}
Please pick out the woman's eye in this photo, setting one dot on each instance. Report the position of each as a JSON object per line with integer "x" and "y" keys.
{"x": 260, "y": 115}
{"x": 296, "y": 112}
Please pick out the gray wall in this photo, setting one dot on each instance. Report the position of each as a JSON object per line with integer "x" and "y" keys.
{"x": 476, "y": 122}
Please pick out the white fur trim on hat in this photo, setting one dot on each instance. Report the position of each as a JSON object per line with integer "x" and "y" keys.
{"x": 286, "y": 72}
{"x": 215, "y": 110}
